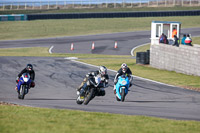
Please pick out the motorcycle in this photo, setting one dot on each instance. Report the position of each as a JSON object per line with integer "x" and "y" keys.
{"x": 93, "y": 87}
{"x": 24, "y": 83}
{"x": 122, "y": 87}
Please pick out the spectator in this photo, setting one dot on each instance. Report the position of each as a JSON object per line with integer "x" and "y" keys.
{"x": 183, "y": 39}
{"x": 188, "y": 40}
{"x": 174, "y": 32}
{"x": 176, "y": 41}
{"x": 166, "y": 40}
{"x": 163, "y": 39}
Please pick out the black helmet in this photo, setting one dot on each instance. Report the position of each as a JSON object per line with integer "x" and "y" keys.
{"x": 29, "y": 67}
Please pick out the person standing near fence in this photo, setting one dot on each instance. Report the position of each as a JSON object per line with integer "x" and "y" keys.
{"x": 174, "y": 32}
{"x": 183, "y": 39}
{"x": 188, "y": 40}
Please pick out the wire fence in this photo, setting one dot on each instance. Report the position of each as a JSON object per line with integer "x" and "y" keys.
{"x": 76, "y": 4}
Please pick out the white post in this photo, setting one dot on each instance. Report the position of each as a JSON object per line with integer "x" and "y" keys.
{"x": 18, "y": 6}
{"x": 25, "y": 6}
{"x": 40, "y": 5}
{"x": 65, "y": 4}
{"x": 48, "y": 4}
{"x": 190, "y": 3}
{"x": 182, "y": 3}
{"x": 106, "y": 4}
{"x": 33, "y": 6}
{"x": 157, "y": 3}
{"x": 11, "y": 6}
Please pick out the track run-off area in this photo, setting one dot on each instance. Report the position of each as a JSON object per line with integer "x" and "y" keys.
{"x": 57, "y": 78}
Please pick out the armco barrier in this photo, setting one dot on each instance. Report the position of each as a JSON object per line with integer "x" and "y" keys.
{"x": 113, "y": 15}
{"x": 13, "y": 17}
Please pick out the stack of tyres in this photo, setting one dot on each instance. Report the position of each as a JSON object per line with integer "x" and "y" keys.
{"x": 148, "y": 57}
{"x": 143, "y": 57}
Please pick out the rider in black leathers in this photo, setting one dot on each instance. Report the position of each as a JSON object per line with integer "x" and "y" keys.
{"x": 124, "y": 70}
{"x": 28, "y": 69}
{"x": 102, "y": 72}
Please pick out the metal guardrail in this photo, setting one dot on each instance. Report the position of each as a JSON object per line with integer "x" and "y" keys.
{"x": 65, "y": 4}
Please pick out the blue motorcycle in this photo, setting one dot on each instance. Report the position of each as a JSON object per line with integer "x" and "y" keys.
{"x": 122, "y": 87}
{"x": 23, "y": 85}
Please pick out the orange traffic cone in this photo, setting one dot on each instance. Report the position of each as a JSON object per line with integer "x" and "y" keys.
{"x": 72, "y": 46}
{"x": 116, "y": 44}
{"x": 93, "y": 46}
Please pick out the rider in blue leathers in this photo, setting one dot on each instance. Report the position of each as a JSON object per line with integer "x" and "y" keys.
{"x": 124, "y": 70}
{"x": 28, "y": 69}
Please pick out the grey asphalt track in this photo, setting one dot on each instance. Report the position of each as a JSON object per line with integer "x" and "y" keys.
{"x": 57, "y": 79}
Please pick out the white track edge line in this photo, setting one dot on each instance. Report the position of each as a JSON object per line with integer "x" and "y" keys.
{"x": 50, "y": 49}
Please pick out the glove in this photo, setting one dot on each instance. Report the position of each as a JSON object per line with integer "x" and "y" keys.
{"x": 115, "y": 81}
{"x": 17, "y": 79}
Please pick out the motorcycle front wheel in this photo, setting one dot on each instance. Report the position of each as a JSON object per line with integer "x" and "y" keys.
{"x": 88, "y": 96}
{"x": 21, "y": 93}
{"x": 123, "y": 95}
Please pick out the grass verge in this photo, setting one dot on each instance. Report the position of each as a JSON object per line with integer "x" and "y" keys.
{"x": 27, "y": 119}
{"x": 74, "y": 27}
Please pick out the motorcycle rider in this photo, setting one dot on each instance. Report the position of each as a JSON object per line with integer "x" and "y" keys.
{"x": 102, "y": 72}
{"x": 27, "y": 69}
{"x": 124, "y": 70}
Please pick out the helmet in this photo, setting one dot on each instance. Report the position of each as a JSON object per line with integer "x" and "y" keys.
{"x": 29, "y": 67}
{"x": 124, "y": 67}
{"x": 102, "y": 70}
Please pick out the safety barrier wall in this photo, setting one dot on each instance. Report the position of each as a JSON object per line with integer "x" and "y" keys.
{"x": 113, "y": 15}
{"x": 14, "y": 17}
{"x": 182, "y": 59}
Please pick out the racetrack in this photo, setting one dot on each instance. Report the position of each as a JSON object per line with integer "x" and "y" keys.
{"x": 57, "y": 79}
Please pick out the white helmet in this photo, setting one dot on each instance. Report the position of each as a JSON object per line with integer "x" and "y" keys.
{"x": 102, "y": 70}
{"x": 124, "y": 67}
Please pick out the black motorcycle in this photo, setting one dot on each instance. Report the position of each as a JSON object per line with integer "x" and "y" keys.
{"x": 92, "y": 89}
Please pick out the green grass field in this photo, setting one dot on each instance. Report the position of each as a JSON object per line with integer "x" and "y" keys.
{"x": 18, "y": 119}
{"x": 73, "y": 27}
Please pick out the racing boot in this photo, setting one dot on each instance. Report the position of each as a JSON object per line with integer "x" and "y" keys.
{"x": 114, "y": 89}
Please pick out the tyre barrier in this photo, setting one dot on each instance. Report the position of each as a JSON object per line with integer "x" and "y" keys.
{"x": 143, "y": 57}
{"x": 113, "y": 15}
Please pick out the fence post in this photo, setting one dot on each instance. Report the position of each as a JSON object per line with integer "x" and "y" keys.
{"x": 65, "y": 4}
{"x": 18, "y": 6}
{"x": 25, "y": 6}
{"x": 40, "y": 5}
{"x": 157, "y": 3}
{"x": 48, "y": 5}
